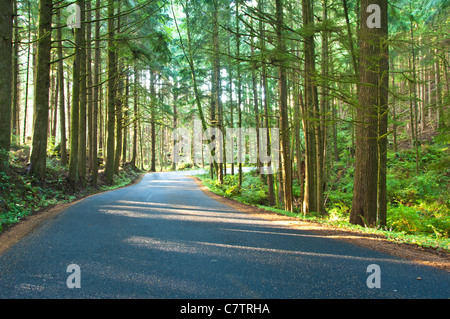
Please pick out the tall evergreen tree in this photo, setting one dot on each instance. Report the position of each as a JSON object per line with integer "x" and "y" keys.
{"x": 75, "y": 107}
{"x": 38, "y": 159}
{"x": 286, "y": 164}
{"x": 82, "y": 130}
{"x": 112, "y": 80}
{"x": 373, "y": 97}
{"x": 6, "y": 37}
{"x": 62, "y": 112}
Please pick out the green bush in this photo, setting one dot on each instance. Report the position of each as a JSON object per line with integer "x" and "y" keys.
{"x": 413, "y": 220}
{"x": 232, "y": 191}
{"x": 253, "y": 190}
{"x": 339, "y": 212}
{"x": 184, "y": 166}
{"x": 439, "y": 226}
{"x": 404, "y": 219}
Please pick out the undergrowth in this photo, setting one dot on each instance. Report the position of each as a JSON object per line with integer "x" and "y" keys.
{"x": 21, "y": 195}
{"x": 418, "y": 204}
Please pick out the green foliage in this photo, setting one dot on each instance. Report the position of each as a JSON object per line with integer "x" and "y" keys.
{"x": 253, "y": 190}
{"x": 22, "y": 195}
{"x": 404, "y": 218}
{"x": 418, "y": 204}
{"x": 3, "y": 154}
{"x": 405, "y": 187}
{"x": 185, "y": 166}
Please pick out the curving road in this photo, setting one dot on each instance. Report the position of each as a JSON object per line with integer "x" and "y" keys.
{"x": 164, "y": 238}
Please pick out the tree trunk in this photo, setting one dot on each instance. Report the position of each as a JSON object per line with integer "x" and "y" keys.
{"x": 54, "y": 105}
{"x": 383, "y": 112}
{"x": 38, "y": 157}
{"x": 216, "y": 92}
{"x": 394, "y": 116}
{"x": 6, "y": 50}
{"x": 286, "y": 165}
{"x": 95, "y": 98}
{"x": 62, "y": 113}
{"x": 324, "y": 105}
{"x": 125, "y": 119}
{"x": 27, "y": 81}
{"x": 439, "y": 107}
{"x": 119, "y": 126}
{"x": 153, "y": 120}
{"x": 239, "y": 94}
{"x": 16, "y": 79}
{"x": 313, "y": 165}
{"x": 414, "y": 94}
{"x": 112, "y": 74}
{"x": 264, "y": 86}
{"x": 82, "y": 144}
{"x": 256, "y": 108}
{"x": 175, "y": 121}
{"x": 69, "y": 106}
{"x": 135, "y": 117}
{"x": 89, "y": 88}
{"x": 297, "y": 140}
{"x": 75, "y": 113}
{"x": 119, "y": 102}
{"x": 230, "y": 96}
{"x": 369, "y": 183}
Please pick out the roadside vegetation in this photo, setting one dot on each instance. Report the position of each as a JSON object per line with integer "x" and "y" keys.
{"x": 22, "y": 195}
{"x": 418, "y": 204}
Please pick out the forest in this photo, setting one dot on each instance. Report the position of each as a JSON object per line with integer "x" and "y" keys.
{"x": 92, "y": 93}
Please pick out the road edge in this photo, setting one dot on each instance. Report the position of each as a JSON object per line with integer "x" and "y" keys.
{"x": 15, "y": 233}
{"x": 413, "y": 253}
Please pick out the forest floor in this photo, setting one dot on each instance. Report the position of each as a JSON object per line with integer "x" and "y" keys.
{"x": 423, "y": 255}
{"x": 25, "y": 204}
{"x": 13, "y": 233}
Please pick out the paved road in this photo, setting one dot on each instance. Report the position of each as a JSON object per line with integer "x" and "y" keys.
{"x": 164, "y": 238}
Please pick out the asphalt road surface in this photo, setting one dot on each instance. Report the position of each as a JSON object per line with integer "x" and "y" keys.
{"x": 164, "y": 238}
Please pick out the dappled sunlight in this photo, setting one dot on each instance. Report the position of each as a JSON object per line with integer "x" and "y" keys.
{"x": 311, "y": 235}
{"x": 229, "y": 224}
{"x": 178, "y": 188}
{"x": 154, "y": 205}
{"x": 170, "y": 180}
{"x": 153, "y": 282}
{"x": 152, "y": 210}
{"x": 229, "y": 251}
{"x": 184, "y": 210}
{"x": 163, "y": 245}
{"x": 125, "y": 213}
{"x": 179, "y": 214}
{"x": 236, "y": 222}
{"x": 273, "y": 233}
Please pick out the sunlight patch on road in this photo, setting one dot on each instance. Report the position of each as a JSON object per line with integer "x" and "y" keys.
{"x": 170, "y": 181}
{"x": 181, "y": 213}
{"x": 263, "y": 254}
{"x": 273, "y": 233}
